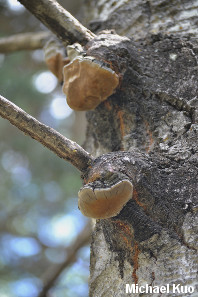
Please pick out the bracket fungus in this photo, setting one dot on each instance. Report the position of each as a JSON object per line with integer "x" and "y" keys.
{"x": 88, "y": 82}
{"x": 55, "y": 58}
{"x": 103, "y": 203}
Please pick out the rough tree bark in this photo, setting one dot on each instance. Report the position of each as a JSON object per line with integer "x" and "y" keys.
{"x": 154, "y": 239}
{"x": 147, "y": 133}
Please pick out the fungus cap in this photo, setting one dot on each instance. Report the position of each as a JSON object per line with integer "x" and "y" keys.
{"x": 55, "y": 58}
{"x": 87, "y": 83}
{"x": 105, "y": 202}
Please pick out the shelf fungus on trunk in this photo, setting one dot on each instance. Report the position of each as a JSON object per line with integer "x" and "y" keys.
{"x": 103, "y": 203}
{"x": 88, "y": 82}
{"x": 55, "y": 57}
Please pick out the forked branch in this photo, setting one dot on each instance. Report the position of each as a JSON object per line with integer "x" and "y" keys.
{"x": 57, "y": 143}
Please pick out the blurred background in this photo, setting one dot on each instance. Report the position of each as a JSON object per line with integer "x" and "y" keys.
{"x": 39, "y": 217}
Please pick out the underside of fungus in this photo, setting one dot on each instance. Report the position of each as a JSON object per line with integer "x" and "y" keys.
{"x": 87, "y": 82}
{"x": 103, "y": 203}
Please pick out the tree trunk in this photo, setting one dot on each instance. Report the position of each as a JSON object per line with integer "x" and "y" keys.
{"x": 150, "y": 128}
{"x": 145, "y": 135}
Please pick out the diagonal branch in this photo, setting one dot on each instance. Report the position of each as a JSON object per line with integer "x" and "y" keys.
{"x": 24, "y": 41}
{"x": 53, "y": 274}
{"x": 59, "y": 21}
{"x": 57, "y": 143}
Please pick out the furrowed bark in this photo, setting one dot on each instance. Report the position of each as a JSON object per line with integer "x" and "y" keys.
{"x": 137, "y": 18}
{"x": 58, "y": 20}
{"x": 153, "y": 240}
{"x": 57, "y": 143}
{"x": 153, "y": 118}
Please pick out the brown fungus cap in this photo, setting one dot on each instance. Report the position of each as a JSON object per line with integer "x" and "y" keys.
{"x": 55, "y": 64}
{"x": 105, "y": 202}
{"x": 55, "y": 58}
{"x": 87, "y": 83}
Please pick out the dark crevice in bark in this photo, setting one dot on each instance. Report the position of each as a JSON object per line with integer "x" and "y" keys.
{"x": 146, "y": 94}
{"x": 156, "y": 189}
{"x": 155, "y": 111}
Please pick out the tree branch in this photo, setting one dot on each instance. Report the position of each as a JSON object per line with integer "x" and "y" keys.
{"x": 58, "y": 20}
{"x": 24, "y": 41}
{"x": 57, "y": 143}
{"x": 71, "y": 252}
